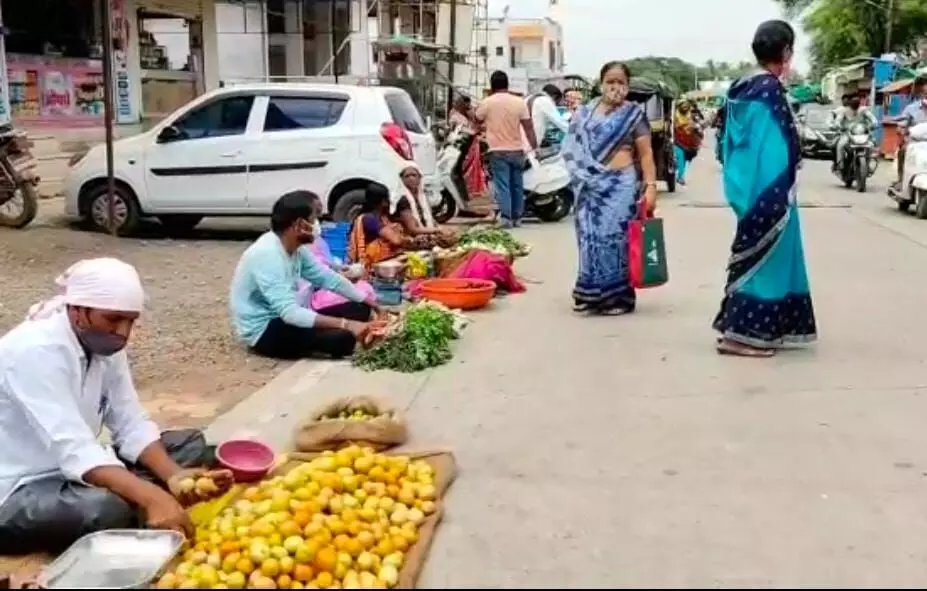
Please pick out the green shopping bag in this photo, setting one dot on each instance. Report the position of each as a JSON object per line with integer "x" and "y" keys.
{"x": 647, "y": 252}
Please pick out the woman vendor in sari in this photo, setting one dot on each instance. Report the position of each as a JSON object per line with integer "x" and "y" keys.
{"x": 608, "y": 141}
{"x": 378, "y": 235}
{"x": 767, "y": 300}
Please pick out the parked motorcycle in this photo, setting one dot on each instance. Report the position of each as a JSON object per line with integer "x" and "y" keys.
{"x": 913, "y": 189}
{"x": 19, "y": 196}
{"x": 859, "y": 161}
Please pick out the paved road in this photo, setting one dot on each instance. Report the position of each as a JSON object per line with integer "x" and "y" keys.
{"x": 603, "y": 452}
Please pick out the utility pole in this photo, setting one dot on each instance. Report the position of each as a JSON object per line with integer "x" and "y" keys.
{"x": 889, "y": 17}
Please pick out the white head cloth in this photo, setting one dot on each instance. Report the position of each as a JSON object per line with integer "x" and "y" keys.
{"x": 104, "y": 284}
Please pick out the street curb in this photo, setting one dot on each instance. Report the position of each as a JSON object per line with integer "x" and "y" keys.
{"x": 265, "y": 414}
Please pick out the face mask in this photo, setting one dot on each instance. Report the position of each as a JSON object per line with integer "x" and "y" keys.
{"x": 615, "y": 93}
{"x": 100, "y": 342}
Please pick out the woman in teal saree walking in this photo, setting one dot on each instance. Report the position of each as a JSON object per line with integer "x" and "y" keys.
{"x": 767, "y": 301}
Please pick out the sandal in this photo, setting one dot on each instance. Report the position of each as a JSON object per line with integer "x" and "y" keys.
{"x": 726, "y": 347}
{"x": 615, "y": 311}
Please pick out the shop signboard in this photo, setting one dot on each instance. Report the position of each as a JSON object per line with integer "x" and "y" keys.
{"x": 54, "y": 90}
{"x": 122, "y": 88}
{"x": 4, "y": 80}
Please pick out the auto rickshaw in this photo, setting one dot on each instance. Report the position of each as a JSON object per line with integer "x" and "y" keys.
{"x": 658, "y": 102}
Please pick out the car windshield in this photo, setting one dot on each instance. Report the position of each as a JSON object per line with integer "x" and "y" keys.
{"x": 816, "y": 116}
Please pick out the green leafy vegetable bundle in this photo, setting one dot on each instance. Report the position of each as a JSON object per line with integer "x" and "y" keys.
{"x": 423, "y": 341}
{"x": 493, "y": 239}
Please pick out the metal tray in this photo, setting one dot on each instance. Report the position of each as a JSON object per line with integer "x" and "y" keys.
{"x": 112, "y": 559}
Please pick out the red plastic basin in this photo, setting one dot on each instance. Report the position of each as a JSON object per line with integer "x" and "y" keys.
{"x": 248, "y": 460}
{"x": 463, "y": 294}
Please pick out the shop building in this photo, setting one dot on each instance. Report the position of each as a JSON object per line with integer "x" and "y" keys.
{"x": 165, "y": 53}
{"x": 294, "y": 40}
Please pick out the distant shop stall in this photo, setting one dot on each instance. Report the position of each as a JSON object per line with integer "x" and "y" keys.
{"x": 53, "y": 56}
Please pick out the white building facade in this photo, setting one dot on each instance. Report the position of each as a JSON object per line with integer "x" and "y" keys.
{"x": 525, "y": 49}
{"x": 293, "y": 40}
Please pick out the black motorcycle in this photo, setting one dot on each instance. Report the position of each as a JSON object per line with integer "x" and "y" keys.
{"x": 19, "y": 196}
{"x": 859, "y": 161}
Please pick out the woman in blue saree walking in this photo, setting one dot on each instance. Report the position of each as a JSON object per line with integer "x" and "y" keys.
{"x": 608, "y": 143}
{"x": 767, "y": 301}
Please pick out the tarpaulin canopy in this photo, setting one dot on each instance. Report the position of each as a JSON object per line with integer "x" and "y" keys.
{"x": 805, "y": 93}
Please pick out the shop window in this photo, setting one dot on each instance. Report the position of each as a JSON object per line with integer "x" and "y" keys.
{"x": 500, "y": 51}
{"x": 276, "y": 60}
{"x": 165, "y": 44}
{"x": 224, "y": 117}
{"x": 298, "y": 112}
{"x": 276, "y": 17}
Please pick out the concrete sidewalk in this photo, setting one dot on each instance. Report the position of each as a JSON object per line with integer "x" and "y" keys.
{"x": 604, "y": 452}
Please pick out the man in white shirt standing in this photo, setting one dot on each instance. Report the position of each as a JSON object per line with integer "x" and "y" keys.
{"x": 546, "y": 119}
{"x": 64, "y": 375}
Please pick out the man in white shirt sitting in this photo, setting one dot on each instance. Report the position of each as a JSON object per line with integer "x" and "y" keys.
{"x": 64, "y": 375}
{"x": 549, "y": 124}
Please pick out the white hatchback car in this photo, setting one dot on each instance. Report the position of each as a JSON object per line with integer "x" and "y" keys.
{"x": 235, "y": 150}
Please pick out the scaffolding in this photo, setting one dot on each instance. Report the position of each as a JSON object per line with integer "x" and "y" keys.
{"x": 434, "y": 27}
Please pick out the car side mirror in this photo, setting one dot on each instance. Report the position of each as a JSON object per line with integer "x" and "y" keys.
{"x": 170, "y": 133}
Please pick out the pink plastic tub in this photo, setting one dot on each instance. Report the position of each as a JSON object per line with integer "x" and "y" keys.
{"x": 247, "y": 459}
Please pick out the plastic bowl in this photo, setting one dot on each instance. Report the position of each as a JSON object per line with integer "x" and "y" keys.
{"x": 462, "y": 294}
{"x": 247, "y": 459}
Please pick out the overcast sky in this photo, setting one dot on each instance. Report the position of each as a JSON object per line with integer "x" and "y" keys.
{"x": 596, "y": 31}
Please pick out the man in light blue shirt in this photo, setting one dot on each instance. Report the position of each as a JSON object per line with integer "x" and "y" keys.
{"x": 265, "y": 312}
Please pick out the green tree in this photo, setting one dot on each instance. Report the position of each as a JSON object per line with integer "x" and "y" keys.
{"x": 843, "y": 29}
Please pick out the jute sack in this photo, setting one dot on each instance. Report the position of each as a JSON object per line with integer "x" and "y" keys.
{"x": 321, "y": 432}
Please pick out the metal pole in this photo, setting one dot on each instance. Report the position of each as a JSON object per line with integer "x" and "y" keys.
{"x": 108, "y": 93}
{"x": 452, "y": 39}
{"x": 889, "y": 17}
{"x": 335, "y": 52}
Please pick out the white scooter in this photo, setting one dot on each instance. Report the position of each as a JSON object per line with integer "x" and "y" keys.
{"x": 547, "y": 186}
{"x": 452, "y": 196}
{"x": 913, "y": 190}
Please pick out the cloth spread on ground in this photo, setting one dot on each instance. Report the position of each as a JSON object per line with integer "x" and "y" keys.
{"x": 264, "y": 287}
{"x": 767, "y": 301}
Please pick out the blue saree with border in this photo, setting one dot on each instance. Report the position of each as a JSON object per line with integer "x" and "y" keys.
{"x": 767, "y": 300}
{"x": 606, "y": 201}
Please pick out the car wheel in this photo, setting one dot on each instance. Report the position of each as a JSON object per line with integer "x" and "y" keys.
{"x": 920, "y": 204}
{"x": 447, "y": 210}
{"x": 349, "y": 206}
{"x": 182, "y": 222}
{"x": 126, "y": 211}
{"x": 557, "y": 209}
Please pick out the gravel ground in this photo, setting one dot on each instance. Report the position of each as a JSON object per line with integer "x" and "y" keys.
{"x": 187, "y": 366}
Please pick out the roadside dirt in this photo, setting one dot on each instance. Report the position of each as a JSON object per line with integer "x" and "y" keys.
{"x": 187, "y": 365}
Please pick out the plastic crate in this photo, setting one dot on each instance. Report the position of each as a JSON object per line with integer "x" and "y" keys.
{"x": 336, "y": 236}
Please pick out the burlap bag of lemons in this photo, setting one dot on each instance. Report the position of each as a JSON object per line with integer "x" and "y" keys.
{"x": 361, "y": 420}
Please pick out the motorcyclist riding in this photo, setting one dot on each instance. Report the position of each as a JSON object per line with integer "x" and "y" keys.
{"x": 846, "y": 119}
